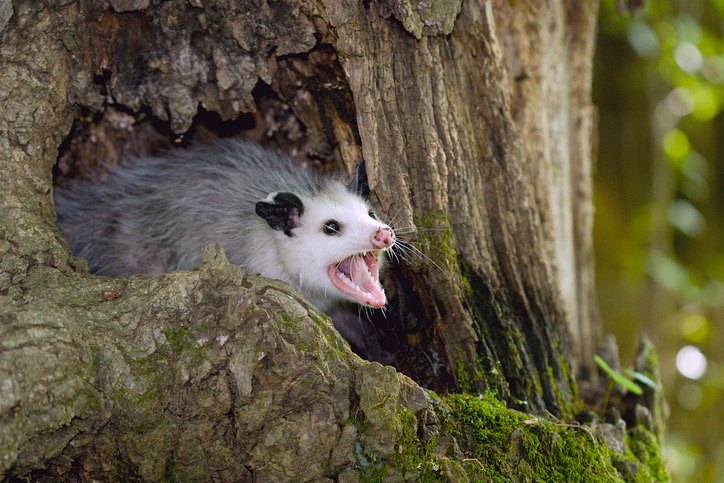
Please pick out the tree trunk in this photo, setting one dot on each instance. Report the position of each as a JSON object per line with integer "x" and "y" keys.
{"x": 476, "y": 125}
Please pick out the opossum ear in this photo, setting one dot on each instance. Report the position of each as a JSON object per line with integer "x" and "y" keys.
{"x": 359, "y": 184}
{"x": 281, "y": 210}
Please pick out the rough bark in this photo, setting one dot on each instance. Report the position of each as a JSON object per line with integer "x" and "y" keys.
{"x": 187, "y": 385}
{"x": 549, "y": 55}
{"x": 217, "y": 374}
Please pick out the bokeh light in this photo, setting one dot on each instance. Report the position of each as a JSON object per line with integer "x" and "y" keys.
{"x": 691, "y": 362}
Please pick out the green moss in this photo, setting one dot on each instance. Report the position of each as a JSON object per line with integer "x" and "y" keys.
{"x": 440, "y": 244}
{"x": 482, "y": 379}
{"x": 466, "y": 287}
{"x": 371, "y": 465}
{"x": 414, "y": 457}
{"x": 462, "y": 378}
{"x": 176, "y": 337}
{"x": 645, "y": 448}
{"x": 308, "y": 340}
{"x": 505, "y": 444}
{"x": 336, "y": 347}
{"x": 95, "y": 361}
{"x": 501, "y": 444}
{"x": 565, "y": 408}
{"x": 151, "y": 368}
{"x": 335, "y": 340}
{"x": 92, "y": 400}
{"x": 493, "y": 380}
{"x": 284, "y": 321}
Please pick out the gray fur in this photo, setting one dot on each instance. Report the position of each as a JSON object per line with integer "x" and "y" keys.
{"x": 156, "y": 214}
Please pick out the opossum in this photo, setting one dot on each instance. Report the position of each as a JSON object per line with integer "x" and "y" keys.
{"x": 273, "y": 218}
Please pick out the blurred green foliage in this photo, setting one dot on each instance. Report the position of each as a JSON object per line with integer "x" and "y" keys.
{"x": 659, "y": 86}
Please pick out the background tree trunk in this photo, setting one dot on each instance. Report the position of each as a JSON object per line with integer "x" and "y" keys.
{"x": 474, "y": 119}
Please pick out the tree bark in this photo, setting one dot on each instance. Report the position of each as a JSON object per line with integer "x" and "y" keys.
{"x": 476, "y": 125}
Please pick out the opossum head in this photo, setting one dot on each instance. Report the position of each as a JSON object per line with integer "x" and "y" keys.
{"x": 332, "y": 240}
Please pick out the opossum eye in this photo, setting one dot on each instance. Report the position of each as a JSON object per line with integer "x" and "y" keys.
{"x": 373, "y": 215}
{"x": 331, "y": 227}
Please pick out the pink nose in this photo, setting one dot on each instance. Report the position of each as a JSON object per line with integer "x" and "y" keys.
{"x": 383, "y": 238}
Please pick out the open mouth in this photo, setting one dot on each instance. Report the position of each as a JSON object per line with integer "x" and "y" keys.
{"x": 358, "y": 276}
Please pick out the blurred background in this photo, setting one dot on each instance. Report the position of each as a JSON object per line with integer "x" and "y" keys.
{"x": 659, "y": 197}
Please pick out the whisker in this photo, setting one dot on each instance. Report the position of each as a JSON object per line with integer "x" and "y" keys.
{"x": 416, "y": 229}
{"x": 394, "y": 255}
{"x": 409, "y": 251}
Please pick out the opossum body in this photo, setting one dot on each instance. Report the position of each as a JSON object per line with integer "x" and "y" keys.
{"x": 271, "y": 217}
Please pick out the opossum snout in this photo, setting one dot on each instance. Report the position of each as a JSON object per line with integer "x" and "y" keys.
{"x": 383, "y": 238}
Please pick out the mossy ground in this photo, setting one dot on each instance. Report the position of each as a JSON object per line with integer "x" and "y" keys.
{"x": 500, "y": 444}
{"x": 497, "y": 444}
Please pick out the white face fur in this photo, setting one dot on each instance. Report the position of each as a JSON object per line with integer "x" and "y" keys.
{"x": 334, "y": 249}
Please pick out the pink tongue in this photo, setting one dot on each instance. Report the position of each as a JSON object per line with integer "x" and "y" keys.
{"x": 355, "y": 268}
{"x": 359, "y": 273}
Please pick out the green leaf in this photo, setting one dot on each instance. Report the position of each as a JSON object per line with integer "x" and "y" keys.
{"x": 642, "y": 378}
{"x": 618, "y": 378}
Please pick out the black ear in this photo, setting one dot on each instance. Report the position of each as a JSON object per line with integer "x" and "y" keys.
{"x": 359, "y": 184}
{"x": 281, "y": 210}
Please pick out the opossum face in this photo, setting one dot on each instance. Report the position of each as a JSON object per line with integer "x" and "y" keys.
{"x": 334, "y": 242}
